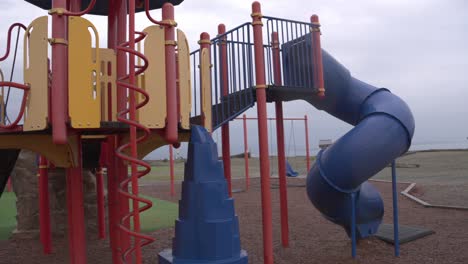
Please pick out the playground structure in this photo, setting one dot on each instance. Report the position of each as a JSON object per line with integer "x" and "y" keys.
{"x": 91, "y": 107}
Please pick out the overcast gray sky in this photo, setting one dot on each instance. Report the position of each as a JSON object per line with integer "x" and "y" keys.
{"x": 417, "y": 49}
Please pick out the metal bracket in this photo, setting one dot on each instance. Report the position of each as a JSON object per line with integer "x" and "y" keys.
{"x": 60, "y": 41}
{"x": 257, "y": 23}
{"x": 204, "y": 41}
{"x": 170, "y": 43}
{"x": 261, "y": 86}
{"x": 256, "y": 15}
{"x": 57, "y": 11}
{"x": 169, "y": 22}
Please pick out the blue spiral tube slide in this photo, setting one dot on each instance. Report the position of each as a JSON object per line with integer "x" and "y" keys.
{"x": 383, "y": 130}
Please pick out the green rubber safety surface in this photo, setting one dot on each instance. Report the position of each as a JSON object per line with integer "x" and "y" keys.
{"x": 7, "y": 214}
{"x": 406, "y": 233}
{"x": 162, "y": 215}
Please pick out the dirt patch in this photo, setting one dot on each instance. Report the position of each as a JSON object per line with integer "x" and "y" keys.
{"x": 312, "y": 238}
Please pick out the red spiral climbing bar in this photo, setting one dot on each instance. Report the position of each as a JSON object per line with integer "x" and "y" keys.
{"x": 128, "y": 116}
{"x": 23, "y": 87}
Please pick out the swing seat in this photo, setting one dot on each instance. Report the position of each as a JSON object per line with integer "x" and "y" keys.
{"x": 290, "y": 171}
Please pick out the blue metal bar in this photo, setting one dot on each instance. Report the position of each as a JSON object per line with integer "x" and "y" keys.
{"x": 396, "y": 235}
{"x": 353, "y": 225}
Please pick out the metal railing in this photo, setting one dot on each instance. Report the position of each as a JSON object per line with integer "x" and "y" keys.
{"x": 296, "y": 59}
{"x": 296, "y": 56}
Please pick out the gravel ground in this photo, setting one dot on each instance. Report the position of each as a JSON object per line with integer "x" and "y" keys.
{"x": 312, "y": 238}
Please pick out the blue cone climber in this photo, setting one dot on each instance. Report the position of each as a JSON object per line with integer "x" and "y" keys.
{"x": 207, "y": 230}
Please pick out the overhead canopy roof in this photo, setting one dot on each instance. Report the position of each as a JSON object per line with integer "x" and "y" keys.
{"x": 101, "y": 7}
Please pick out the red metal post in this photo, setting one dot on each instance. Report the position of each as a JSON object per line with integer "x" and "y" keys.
{"x": 101, "y": 215}
{"x": 116, "y": 27}
{"x": 280, "y": 144}
{"x": 59, "y": 89}
{"x": 171, "y": 168}
{"x": 246, "y": 154}
{"x": 205, "y": 43}
{"x": 171, "y": 88}
{"x": 307, "y": 142}
{"x": 9, "y": 187}
{"x": 44, "y": 207}
{"x": 113, "y": 200}
{"x": 319, "y": 83}
{"x": 76, "y": 224}
{"x": 262, "y": 133}
{"x": 225, "y": 128}
{"x": 121, "y": 169}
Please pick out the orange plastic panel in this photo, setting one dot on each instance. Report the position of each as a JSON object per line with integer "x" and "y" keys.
{"x": 205, "y": 69}
{"x": 153, "y": 115}
{"x": 184, "y": 79}
{"x": 84, "y": 89}
{"x": 36, "y": 75}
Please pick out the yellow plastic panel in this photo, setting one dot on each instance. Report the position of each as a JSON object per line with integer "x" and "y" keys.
{"x": 108, "y": 68}
{"x": 184, "y": 79}
{"x": 61, "y": 155}
{"x": 84, "y": 91}
{"x": 205, "y": 69}
{"x": 153, "y": 115}
{"x": 36, "y": 75}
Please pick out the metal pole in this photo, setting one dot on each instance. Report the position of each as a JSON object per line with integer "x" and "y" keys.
{"x": 280, "y": 143}
{"x": 133, "y": 132}
{"x": 319, "y": 83}
{"x": 246, "y": 154}
{"x": 121, "y": 169}
{"x": 101, "y": 215}
{"x": 353, "y": 225}
{"x": 113, "y": 199}
{"x": 262, "y": 133}
{"x": 225, "y": 128}
{"x": 171, "y": 87}
{"x": 44, "y": 206}
{"x": 114, "y": 24}
{"x": 59, "y": 88}
{"x": 9, "y": 187}
{"x": 396, "y": 235}
{"x": 307, "y": 142}
{"x": 171, "y": 168}
{"x": 75, "y": 198}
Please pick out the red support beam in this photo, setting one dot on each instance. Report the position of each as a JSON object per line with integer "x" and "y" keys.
{"x": 246, "y": 154}
{"x": 59, "y": 102}
{"x": 101, "y": 214}
{"x": 133, "y": 133}
{"x": 9, "y": 187}
{"x": 113, "y": 200}
{"x": 307, "y": 142}
{"x": 280, "y": 143}
{"x": 225, "y": 128}
{"x": 262, "y": 133}
{"x": 171, "y": 168}
{"x": 116, "y": 24}
{"x": 319, "y": 83}
{"x": 76, "y": 223}
{"x": 44, "y": 206}
{"x": 171, "y": 88}
{"x": 121, "y": 169}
